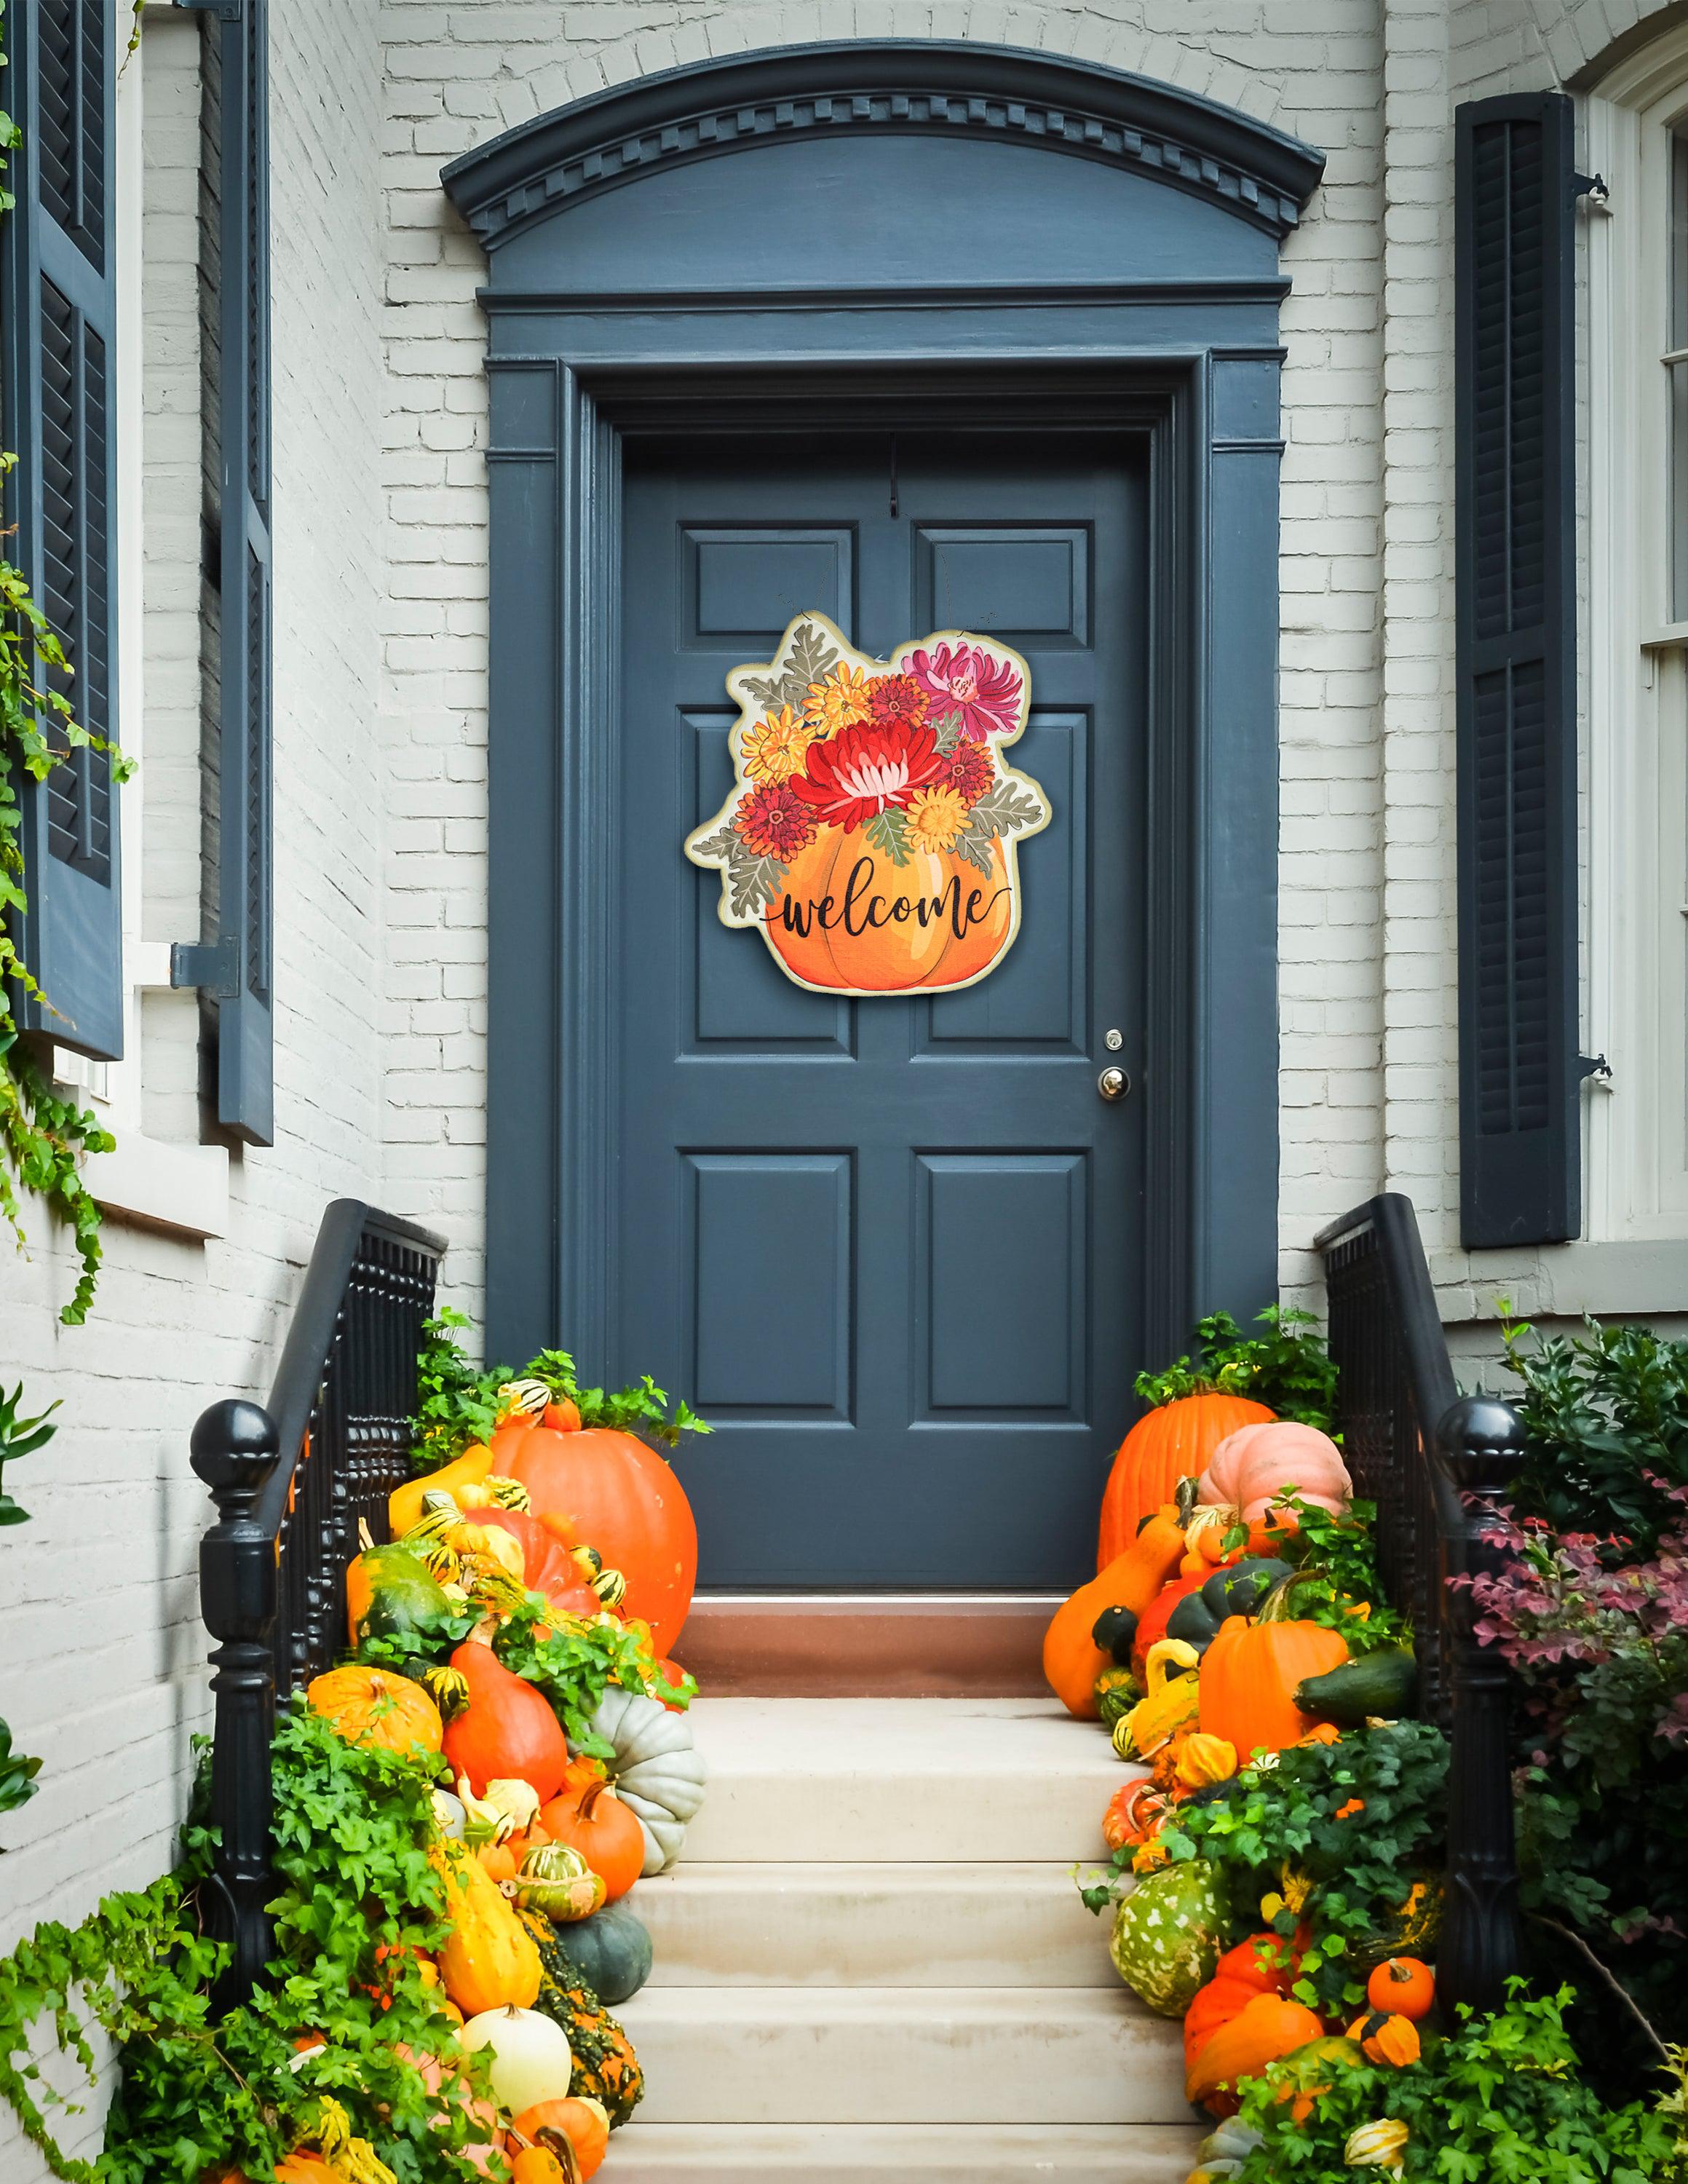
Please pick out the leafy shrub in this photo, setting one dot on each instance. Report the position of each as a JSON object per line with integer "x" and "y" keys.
{"x": 1502, "y": 2097}
{"x": 1287, "y": 1368}
{"x": 1333, "y": 1839}
{"x": 357, "y": 1894}
{"x": 457, "y": 1401}
{"x": 1601, "y": 1658}
{"x": 1606, "y": 1415}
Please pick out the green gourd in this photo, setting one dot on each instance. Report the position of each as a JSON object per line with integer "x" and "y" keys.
{"x": 1168, "y": 1934}
{"x": 390, "y": 1594}
{"x": 610, "y": 1952}
{"x": 1383, "y": 1683}
{"x": 1115, "y": 1630}
{"x": 1240, "y": 1589}
{"x": 605, "y": 2067}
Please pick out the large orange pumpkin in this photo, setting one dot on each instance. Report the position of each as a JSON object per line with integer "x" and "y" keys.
{"x": 923, "y": 947}
{"x": 621, "y": 1499}
{"x": 1250, "y": 1676}
{"x": 1174, "y": 1442}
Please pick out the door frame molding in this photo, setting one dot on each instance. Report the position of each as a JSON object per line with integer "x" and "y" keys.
{"x": 1191, "y": 363}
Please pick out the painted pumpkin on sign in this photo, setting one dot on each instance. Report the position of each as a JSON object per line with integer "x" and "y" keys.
{"x": 871, "y": 835}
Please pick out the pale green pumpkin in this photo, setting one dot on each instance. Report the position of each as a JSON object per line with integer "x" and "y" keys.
{"x": 1168, "y": 1934}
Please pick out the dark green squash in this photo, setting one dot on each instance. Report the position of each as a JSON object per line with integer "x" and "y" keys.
{"x": 1112, "y": 1634}
{"x": 1384, "y": 1683}
{"x": 1194, "y": 1621}
{"x": 610, "y": 1951}
{"x": 1241, "y": 1589}
{"x": 605, "y": 2067}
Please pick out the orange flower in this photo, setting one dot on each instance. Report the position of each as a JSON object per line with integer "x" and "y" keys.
{"x": 775, "y": 751}
{"x": 1354, "y": 1805}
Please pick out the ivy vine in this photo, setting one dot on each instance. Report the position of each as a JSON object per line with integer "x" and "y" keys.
{"x": 44, "y": 1136}
{"x": 324, "y": 2054}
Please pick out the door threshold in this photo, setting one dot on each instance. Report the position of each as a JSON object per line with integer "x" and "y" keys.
{"x": 867, "y": 1644}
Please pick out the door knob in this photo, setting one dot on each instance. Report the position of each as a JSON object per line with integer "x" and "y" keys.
{"x": 1113, "y": 1083}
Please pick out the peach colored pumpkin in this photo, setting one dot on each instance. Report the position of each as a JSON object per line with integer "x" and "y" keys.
{"x": 1256, "y": 1465}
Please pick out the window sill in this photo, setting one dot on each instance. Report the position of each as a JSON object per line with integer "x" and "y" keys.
{"x": 1644, "y": 1277}
{"x": 184, "y": 1188}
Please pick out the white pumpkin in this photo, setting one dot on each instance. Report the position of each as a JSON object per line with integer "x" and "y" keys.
{"x": 530, "y": 2051}
{"x": 657, "y": 1770}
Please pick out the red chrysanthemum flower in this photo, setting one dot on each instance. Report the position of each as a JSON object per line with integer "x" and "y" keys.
{"x": 866, "y": 769}
{"x": 970, "y": 680}
{"x": 897, "y": 698}
{"x": 775, "y": 821}
{"x": 971, "y": 771}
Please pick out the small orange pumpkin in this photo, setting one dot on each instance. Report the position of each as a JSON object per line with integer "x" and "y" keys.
{"x": 372, "y": 1707}
{"x": 1402, "y": 1986}
{"x": 1250, "y": 1676}
{"x": 605, "y": 1832}
{"x": 1268, "y": 2027}
{"x": 584, "y": 2122}
{"x": 1390, "y": 2039}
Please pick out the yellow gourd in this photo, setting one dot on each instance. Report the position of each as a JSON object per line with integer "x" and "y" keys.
{"x": 404, "y": 1503}
{"x": 490, "y": 1961}
{"x": 1205, "y": 1759}
{"x": 1167, "y": 1704}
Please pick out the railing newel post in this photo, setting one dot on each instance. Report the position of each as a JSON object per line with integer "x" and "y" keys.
{"x": 234, "y": 1447}
{"x": 1480, "y": 1445}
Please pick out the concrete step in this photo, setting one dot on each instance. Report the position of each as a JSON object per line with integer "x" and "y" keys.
{"x": 900, "y": 1781}
{"x": 942, "y": 2055}
{"x": 924, "y": 2153}
{"x": 881, "y": 1925}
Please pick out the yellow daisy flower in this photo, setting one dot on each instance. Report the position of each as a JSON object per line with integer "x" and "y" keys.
{"x": 839, "y": 702}
{"x": 776, "y": 750}
{"x": 936, "y": 818}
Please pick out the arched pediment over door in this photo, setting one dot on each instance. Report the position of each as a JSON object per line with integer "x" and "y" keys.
{"x": 901, "y": 233}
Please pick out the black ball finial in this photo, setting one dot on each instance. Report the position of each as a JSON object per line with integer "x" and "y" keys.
{"x": 233, "y": 1445}
{"x": 1482, "y": 1443}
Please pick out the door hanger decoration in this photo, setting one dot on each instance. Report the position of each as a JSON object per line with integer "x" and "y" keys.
{"x": 871, "y": 833}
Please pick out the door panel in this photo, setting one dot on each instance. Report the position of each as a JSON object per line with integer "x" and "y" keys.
{"x": 891, "y": 1247}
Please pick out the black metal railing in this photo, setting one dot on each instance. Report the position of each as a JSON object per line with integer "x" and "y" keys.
{"x": 1435, "y": 1464}
{"x": 290, "y": 1483}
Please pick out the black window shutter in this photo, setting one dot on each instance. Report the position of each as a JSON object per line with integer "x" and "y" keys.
{"x": 237, "y": 970}
{"x": 57, "y": 354}
{"x": 1520, "y": 1148}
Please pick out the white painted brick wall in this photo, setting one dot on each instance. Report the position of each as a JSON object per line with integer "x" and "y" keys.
{"x": 101, "y": 1651}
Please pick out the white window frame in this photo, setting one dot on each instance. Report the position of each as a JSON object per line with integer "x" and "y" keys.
{"x": 178, "y": 1187}
{"x": 1636, "y": 682}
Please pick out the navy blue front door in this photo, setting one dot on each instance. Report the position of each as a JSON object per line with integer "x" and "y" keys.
{"x": 891, "y": 1248}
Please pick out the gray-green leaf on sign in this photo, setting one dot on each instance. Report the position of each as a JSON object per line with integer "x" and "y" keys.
{"x": 888, "y": 832}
